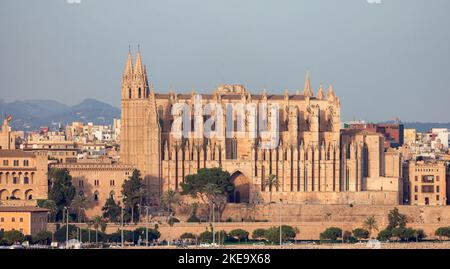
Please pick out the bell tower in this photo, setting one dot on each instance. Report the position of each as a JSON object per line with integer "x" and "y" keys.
{"x": 140, "y": 135}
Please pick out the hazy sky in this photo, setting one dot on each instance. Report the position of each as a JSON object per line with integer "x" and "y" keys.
{"x": 384, "y": 60}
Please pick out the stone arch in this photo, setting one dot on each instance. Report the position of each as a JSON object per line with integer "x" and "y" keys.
{"x": 4, "y": 195}
{"x": 241, "y": 193}
{"x": 17, "y": 194}
{"x": 29, "y": 195}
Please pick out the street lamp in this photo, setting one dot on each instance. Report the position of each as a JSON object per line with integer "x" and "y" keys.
{"x": 146, "y": 226}
{"x": 67, "y": 224}
{"x": 281, "y": 243}
{"x": 213, "y": 235}
{"x": 121, "y": 225}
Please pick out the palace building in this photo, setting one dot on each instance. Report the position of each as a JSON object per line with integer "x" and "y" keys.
{"x": 314, "y": 161}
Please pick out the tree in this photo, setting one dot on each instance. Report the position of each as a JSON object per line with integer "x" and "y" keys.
{"x": 331, "y": 233}
{"x": 239, "y": 234}
{"x": 132, "y": 195}
{"x": 79, "y": 205}
{"x": 60, "y": 234}
{"x": 205, "y": 237}
{"x": 140, "y": 233}
{"x": 62, "y": 191}
{"x": 271, "y": 181}
{"x": 50, "y": 205}
{"x": 442, "y": 232}
{"x": 419, "y": 235}
{"x": 211, "y": 185}
{"x": 396, "y": 220}
{"x": 43, "y": 238}
{"x": 169, "y": 198}
{"x": 98, "y": 222}
{"x": 287, "y": 233}
{"x": 384, "y": 235}
{"x": 188, "y": 236}
{"x": 259, "y": 234}
{"x": 371, "y": 224}
{"x": 111, "y": 210}
{"x": 13, "y": 237}
{"x": 360, "y": 233}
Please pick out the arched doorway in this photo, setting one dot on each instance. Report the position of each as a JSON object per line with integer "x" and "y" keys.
{"x": 241, "y": 192}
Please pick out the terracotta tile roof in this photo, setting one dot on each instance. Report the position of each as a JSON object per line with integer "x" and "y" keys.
{"x": 7, "y": 153}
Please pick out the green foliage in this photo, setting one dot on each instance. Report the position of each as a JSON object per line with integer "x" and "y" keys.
{"x": 396, "y": 220}
{"x": 79, "y": 205}
{"x": 239, "y": 234}
{"x": 419, "y": 234}
{"x": 169, "y": 198}
{"x": 132, "y": 193}
{"x": 287, "y": 233}
{"x": 188, "y": 236}
{"x": 11, "y": 237}
{"x": 442, "y": 232}
{"x": 331, "y": 233}
{"x": 60, "y": 234}
{"x": 172, "y": 220}
{"x": 42, "y": 238}
{"x": 205, "y": 237}
{"x": 259, "y": 234}
{"x": 207, "y": 183}
{"x": 62, "y": 191}
{"x": 384, "y": 235}
{"x": 111, "y": 211}
{"x": 140, "y": 233}
{"x": 50, "y": 205}
{"x": 193, "y": 218}
{"x": 361, "y": 233}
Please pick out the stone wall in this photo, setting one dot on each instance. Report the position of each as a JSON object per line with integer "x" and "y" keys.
{"x": 311, "y": 220}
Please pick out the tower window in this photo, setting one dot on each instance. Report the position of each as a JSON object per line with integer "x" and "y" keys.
{"x": 139, "y": 93}
{"x": 129, "y": 93}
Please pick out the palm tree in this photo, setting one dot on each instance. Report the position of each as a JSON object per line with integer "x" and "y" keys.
{"x": 212, "y": 191}
{"x": 79, "y": 205}
{"x": 170, "y": 197}
{"x": 97, "y": 222}
{"x": 371, "y": 224}
{"x": 272, "y": 181}
{"x": 89, "y": 224}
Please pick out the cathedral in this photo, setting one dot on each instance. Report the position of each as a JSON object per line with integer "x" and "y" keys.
{"x": 314, "y": 161}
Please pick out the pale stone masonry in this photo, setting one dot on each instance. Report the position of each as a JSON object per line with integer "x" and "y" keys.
{"x": 313, "y": 162}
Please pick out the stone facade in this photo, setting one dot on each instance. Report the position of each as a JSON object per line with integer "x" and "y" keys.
{"x": 313, "y": 159}
{"x": 23, "y": 176}
{"x": 7, "y": 137}
{"x": 98, "y": 182}
{"x": 27, "y": 220}
{"x": 427, "y": 183}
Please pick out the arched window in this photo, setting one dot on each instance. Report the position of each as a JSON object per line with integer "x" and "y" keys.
{"x": 139, "y": 93}
{"x": 129, "y": 93}
{"x": 96, "y": 196}
{"x": 112, "y": 195}
{"x": 26, "y": 180}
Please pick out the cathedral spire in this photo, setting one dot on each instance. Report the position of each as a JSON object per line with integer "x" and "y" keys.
{"x": 320, "y": 94}
{"x": 330, "y": 93}
{"x": 307, "y": 91}
{"x": 129, "y": 65}
{"x": 139, "y": 67}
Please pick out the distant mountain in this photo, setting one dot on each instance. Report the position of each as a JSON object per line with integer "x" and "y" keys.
{"x": 31, "y": 114}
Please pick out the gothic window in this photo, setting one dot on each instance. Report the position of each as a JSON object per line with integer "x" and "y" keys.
{"x": 96, "y": 196}
{"x": 26, "y": 180}
{"x": 365, "y": 165}
{"x": 231, "y": 148}
{"x": 129, "y": 93}
{"x": 139, "y": 93}
{"x": 347, "y": 178}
